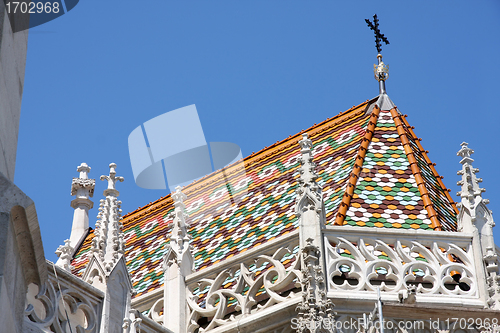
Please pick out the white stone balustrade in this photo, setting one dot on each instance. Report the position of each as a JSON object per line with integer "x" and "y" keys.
{"x": 245, "y": 285}
{"x": 435, "y": 264}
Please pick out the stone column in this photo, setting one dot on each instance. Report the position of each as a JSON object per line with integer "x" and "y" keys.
{"x": 83, "y": 189}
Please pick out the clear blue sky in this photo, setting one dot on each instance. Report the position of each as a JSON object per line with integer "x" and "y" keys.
{"x": 258, "y": 71}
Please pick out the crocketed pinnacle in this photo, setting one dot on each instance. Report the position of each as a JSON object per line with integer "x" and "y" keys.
{"x": 473, "y": 211}
{"x": 179, "y": 246}
{"x": 470, "y": 193}
{"x": 108, "y": 242}
{"x": 309, "y": 194}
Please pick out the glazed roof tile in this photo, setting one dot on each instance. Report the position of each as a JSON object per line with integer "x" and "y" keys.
{"x": 235, "y": 209}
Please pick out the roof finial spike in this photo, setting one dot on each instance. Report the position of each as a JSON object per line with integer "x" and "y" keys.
{"x": 465, "y": 152}
{"x": 83, "y": 169}
{"x": 112, "y": 180}
{"x": 381, "y": 70}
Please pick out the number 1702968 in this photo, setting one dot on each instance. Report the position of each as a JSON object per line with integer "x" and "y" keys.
{"x": 14, "y": 7}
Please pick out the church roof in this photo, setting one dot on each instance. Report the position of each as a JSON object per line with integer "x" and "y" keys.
{"x": 372, "y": 168}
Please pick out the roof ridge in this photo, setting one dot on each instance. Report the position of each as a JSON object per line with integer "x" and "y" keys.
{"x": 424, "y": 193}
{"x": 358, "y": 166}
{"x": 289, "y": 141}
{"x": 255, "y": 156}
{"x": 77, "y": 249}
{"x": 431, "y": 165}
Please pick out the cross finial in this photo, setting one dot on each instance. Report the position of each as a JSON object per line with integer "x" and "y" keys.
{"x": 111, "y": 179}
{"x": 380, "y": 70}
{"x": 378, "y": 35}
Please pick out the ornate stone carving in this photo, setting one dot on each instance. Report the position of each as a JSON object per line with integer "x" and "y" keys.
{"x": 178, "y": 263}
{"x": 132, "y": 323}
{"x": 65, "y": 254}
{"x": 52, "y": 310}
{"x": 492, "y": 262}
{"x": 156, "y": 311}
{"x": 472, "y": 204}
{"x": 315, "y": 312}
{"x": 83, "y": 189}
{"x": 83, "y": 182}
{"x": 107, "y": 269}
{"x": 363, "y": 264}
{"x": 179, "y": 248}
{"x": 475, "y": 217}
{"x": 244, "y": 289}
{"x": 309, "y": 194}
{"x": 108, "y": 243}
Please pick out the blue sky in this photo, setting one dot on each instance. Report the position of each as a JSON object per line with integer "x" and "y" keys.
{"x": 258, "y": 71}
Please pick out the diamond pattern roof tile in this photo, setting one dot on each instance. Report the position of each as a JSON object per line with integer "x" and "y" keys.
{"x": 235, "y": 209}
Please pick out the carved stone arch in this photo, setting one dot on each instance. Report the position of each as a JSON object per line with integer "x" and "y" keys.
{"x": 25, "y": 245}
{"x": 118, "y": 288}
{"x": 307, "y": 202}
{"x": 95, "y": 277}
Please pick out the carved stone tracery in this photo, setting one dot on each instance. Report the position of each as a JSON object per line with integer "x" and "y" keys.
{"x": 49, "y": 310}
{"x": 244, "y": 289}
{"x": 315, "y": 312}
{"x": 363, "y": 264}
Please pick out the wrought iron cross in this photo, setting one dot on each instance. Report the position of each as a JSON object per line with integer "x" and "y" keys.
{"x": 378, "y": 35}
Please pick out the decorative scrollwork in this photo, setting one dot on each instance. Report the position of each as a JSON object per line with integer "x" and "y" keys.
{"x": 363, "y": 264}
{"x": 156, "y": 311}
{"x": 242, "y": 290}
{"x": 52, "y": 310}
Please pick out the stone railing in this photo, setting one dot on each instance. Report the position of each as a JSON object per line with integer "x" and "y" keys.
{"x": 244, "y": 285}
{"x": 428, "y": 264}
{"x": 62, "y": 302}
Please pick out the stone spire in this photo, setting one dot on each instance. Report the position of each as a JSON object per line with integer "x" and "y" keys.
{"x": 177, "y": 264}
{"x": 83, "y": 189}
{"x": 471, "y": 205}
{"x": 310, "y": 210}
{"x": 107, "y": 267}
{"x": 309, "y": 206}
{"x": 108, "y": 242}
{"x": 476, "y": 218}
{"x": 179, "y": 247}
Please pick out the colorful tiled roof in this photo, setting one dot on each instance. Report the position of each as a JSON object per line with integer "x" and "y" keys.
{"x": 235, "y": 209}
{"x": 395, "y": 178}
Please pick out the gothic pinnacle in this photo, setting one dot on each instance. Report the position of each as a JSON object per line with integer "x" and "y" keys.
{"x": 470, "y": 192}
{"x": 108, "y": 242}
{"x": 83, "y": 189}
